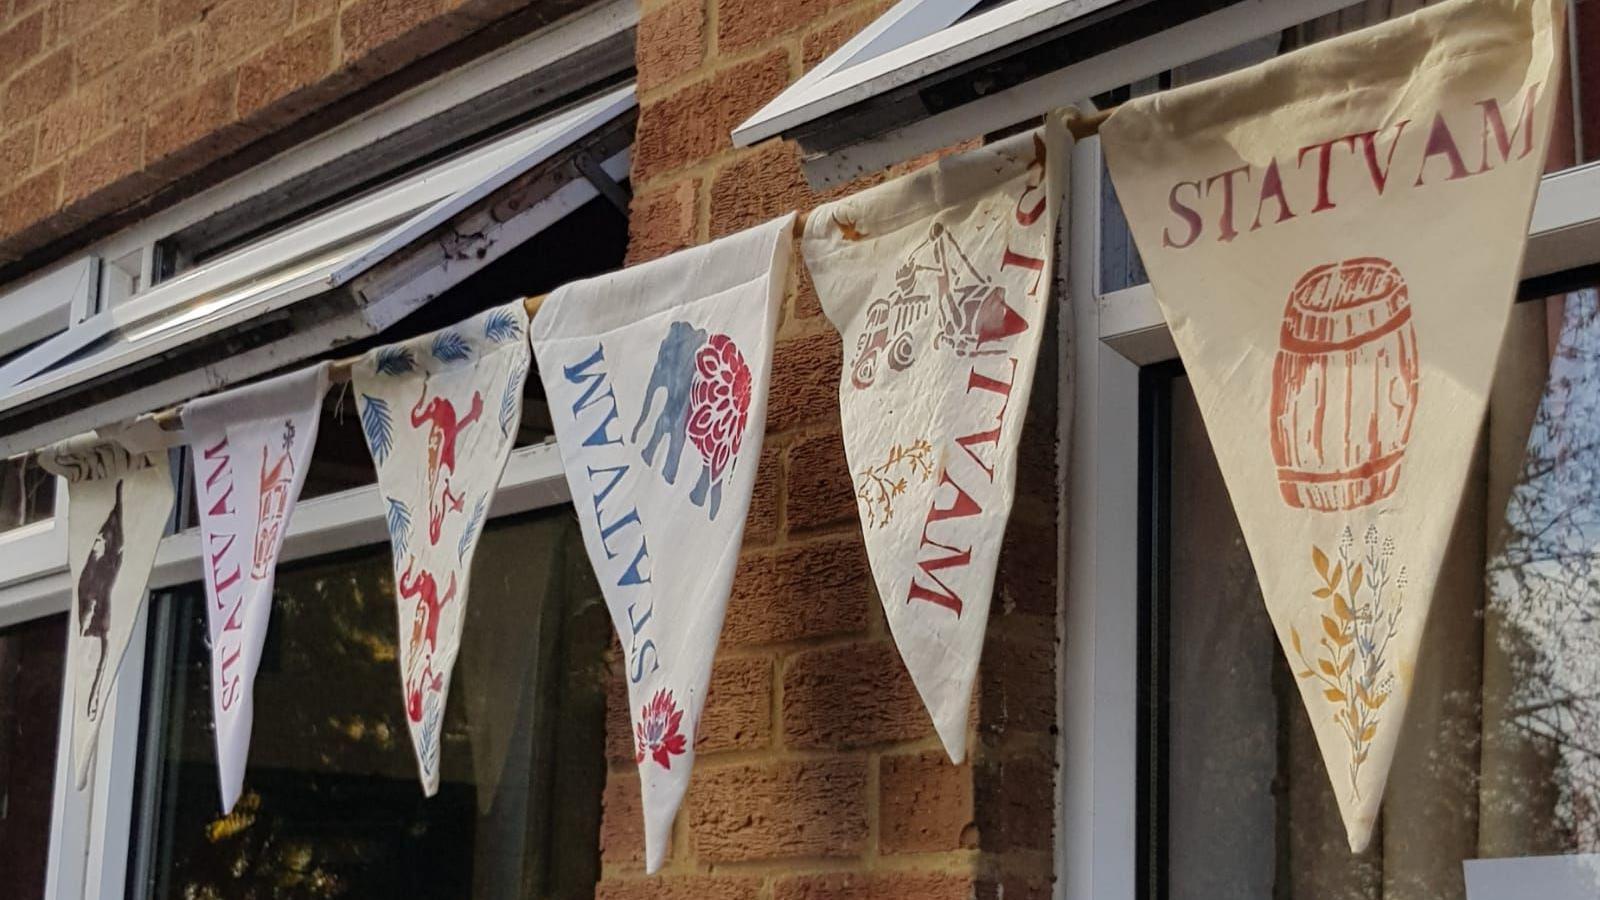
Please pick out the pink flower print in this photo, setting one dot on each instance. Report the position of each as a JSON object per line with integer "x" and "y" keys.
{"x": 657, "y": 731}
{"x": 719, "y": 402}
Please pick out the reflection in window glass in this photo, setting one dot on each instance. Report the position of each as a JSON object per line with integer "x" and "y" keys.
{"x": 31, "y": 664}
{"x": 27, "y": 493}
{"x": 1496, "y": 759}
{"x": 332, "y": 806}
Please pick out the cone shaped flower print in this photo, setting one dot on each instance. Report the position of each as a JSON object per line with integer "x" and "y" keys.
{"x": 657, "y": 382}
{"x": 1335, "y": 238}
{"x": 440, "y": 413}
{"x": 938, "y": 283}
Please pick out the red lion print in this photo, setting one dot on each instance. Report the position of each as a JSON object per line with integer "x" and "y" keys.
{"x": 657, "y": 731}
{"x": 439, "y": 414}
{"x": 719, "y": 410}
{"x": 1344, "y": 386}
{"x": 424, "y": 634}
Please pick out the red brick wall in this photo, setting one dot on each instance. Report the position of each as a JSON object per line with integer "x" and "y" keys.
{"x": 820, "y": 777}
{"x": 105, "y": 102}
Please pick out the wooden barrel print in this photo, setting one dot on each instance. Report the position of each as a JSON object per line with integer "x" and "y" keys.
{"x": 1344, "y": 386}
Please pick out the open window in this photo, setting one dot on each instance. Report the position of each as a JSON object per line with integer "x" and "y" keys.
{"x": 315, "y": 285}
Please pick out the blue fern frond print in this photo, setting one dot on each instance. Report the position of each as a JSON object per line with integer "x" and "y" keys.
{"x": 450, "y": 346}
{"x": 378, "y": 425}
{"x": 501, "y": 326}
{"x": 470, "y": 533}
{"x": 399, "y": 520}
{"x": 394, "y": 361}
{"x": 508, "y": 400}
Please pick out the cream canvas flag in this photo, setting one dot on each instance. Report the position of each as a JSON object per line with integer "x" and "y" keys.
{"x": 440, "y": 413}
{"x": 657, "y": 383}
{"x": 251, "y": 447}
{"x": 1541, "y": 582}
{"x": 118, "y": 504}
{"x": 938, "y": 283}
{"x": 1335, "y": 238}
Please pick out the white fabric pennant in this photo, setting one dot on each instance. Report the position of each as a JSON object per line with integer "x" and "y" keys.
{"x": 939, "y": 282}
{"x": 1335, "y": 237}
{"x": 118, "y": 504}
{"x": 657, "y": 382}
{"x": 252, "y": 447}
{"x": 440, "y": 413}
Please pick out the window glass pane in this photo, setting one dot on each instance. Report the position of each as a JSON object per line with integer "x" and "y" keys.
{"x": 27, "y": 493}
{"x": 31, "y": 664}
{"x": 332, "y": 806}
{"x": 1496, "y": 759}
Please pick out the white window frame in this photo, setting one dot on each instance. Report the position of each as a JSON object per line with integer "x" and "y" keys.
{"x": 91, "y": 830}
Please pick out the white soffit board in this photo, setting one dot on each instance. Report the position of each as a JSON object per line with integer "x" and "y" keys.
{"x": 300, "y": 262}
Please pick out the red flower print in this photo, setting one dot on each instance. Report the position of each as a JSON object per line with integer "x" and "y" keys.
{"x": 657, "y": 730}
{"x": 719, "y": 402}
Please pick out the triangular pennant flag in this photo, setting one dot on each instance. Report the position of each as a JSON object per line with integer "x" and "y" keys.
{"x": 440, "y": 413}
{"x": 252, "y": 447}
{"x": 118, "y": 504}
{"x": 1541, "y": 582}
{"x": 1335, "y": 237}
{"x": 657, "y": 382}
{"x": 939, "y": 283}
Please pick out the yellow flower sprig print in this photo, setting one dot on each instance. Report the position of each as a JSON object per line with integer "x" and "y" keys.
{"x": 1364, "y": 595}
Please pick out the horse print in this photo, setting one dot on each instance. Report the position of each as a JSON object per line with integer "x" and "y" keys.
{"x": 673, "y": 373}
{"x": 94, "y": 593}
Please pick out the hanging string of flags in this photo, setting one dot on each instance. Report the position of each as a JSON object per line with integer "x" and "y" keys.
{"x": 1301, "y": 222}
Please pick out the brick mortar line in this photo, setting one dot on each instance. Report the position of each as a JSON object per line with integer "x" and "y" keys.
{"x": 939, "y": 862}
{"x": 736, "y": 758}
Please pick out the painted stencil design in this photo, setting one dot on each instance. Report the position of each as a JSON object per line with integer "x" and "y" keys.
{"x": 1344, "y": 386}
{"x": 939, "y": 285}
{"x": 703, "y": 385}
{"x": 656, "y": 378}
{"x": 439, "y": 413}
{"x": 94, "y": 599}
{"x": 1363, "y": 595}
{"x": 936, "y": 278}
{"x": 118, "y": 503}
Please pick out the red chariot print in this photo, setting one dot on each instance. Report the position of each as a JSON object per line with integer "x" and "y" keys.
{"x": 439, "y": 414}
{"x": 973, "y": 315}
{"x": 657, "y": 731}
{"x": 1344, "y": 386}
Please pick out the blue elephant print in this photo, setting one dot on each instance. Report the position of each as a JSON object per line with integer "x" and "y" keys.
{"x": 674, "y": 373}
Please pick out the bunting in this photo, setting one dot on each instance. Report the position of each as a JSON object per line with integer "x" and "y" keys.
{"x": 657, "y": 382}
{"x": 440, "y": 414}
{"x": 252, "y": 447}
{"x": 118, "y": 504}
{"x": 939, "y": 284}
{"x": 1335, "y": 238}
